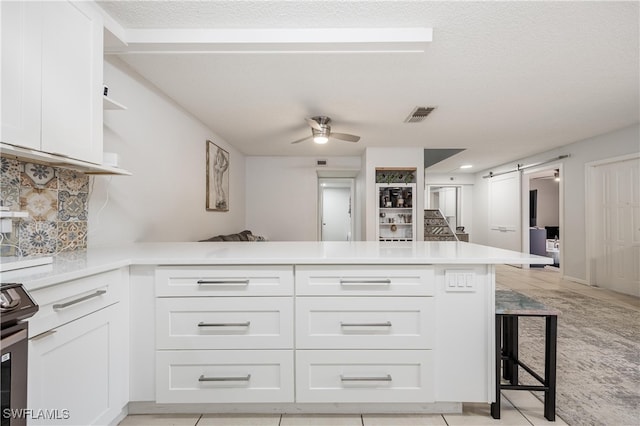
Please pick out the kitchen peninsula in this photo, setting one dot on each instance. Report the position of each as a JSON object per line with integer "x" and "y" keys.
{"x": 279, "y": 326}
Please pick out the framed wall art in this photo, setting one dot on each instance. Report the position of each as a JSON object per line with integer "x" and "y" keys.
{"x": 217, "y": 178}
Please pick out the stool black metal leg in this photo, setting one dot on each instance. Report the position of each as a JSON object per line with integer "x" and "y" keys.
{"x": 495, "y": 406}
{"x": 551, "y": 325}
{"x": 512, "y": 352}
{"x": 506, "y": 327}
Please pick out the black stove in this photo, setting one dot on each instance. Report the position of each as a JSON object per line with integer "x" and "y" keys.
{"x": 15, "y": 307}
{"x": 15, "y": 304}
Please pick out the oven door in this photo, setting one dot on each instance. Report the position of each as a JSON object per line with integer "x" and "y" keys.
{"x": 14, "y": 346}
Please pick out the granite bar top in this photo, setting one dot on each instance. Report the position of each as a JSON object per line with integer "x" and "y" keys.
{"x": 513, "y": 303}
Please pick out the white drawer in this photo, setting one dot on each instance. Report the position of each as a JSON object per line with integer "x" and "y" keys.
{"x": 364, "y": 376}
{"x": 224, "y": 322}
{"x": 224, "y": 281}
{"x": 365, "y": 322}
{"x": 64, "y": 302}
{"x": 368, "y": 280}
{"x": 224, "y": 376}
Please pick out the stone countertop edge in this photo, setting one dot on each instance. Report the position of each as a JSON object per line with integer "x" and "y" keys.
{"x": 78, "y": 264}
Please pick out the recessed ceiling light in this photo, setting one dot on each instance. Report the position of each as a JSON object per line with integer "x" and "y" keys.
{"x": 466, "y": 166}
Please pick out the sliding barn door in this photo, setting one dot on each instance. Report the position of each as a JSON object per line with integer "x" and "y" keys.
{"x": 616, "y": 225}
{"x": 504, "y": 212}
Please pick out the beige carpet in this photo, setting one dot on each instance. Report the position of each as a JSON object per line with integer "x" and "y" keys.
{"x": 598, "y": 362}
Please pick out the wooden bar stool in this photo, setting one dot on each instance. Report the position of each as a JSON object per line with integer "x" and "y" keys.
{"x": 510, "y": 306}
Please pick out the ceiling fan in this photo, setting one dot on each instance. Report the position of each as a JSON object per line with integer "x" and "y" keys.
{"x": 321, "y": 131}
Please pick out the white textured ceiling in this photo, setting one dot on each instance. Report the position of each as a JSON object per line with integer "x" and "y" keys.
{"x": 510, "y": 79}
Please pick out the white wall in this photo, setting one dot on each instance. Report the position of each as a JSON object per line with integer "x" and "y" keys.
{"x": 392, "y": 157}
{"x": 548, "y": 209}
{"x": 282, "y": 195}
{"x": 614, "y": 144}
{"x": 164, "y": 147}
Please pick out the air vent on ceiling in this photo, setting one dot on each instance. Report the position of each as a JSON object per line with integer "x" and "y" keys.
{"x": 321, "y": 163}
{"x": 419, "y": 114}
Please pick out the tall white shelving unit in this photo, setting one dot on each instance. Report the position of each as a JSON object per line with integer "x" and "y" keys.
{"x": 396, "y": 212}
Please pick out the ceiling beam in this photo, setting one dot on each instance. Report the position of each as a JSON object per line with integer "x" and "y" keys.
{"x": 286, "y": 40}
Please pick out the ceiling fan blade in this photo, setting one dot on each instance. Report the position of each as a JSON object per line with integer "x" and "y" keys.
{"x": 345, "y": 137}
{"x": 313, "y": 123}
{"x": 302, "y": 140}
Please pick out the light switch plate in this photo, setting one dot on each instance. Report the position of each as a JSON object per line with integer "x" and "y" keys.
{"x": 460, "y": 281}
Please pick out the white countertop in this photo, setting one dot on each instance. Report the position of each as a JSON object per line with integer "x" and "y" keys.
{"x": 72, "y": 265}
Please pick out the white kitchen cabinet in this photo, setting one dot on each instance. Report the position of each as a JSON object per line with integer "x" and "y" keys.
{"x": 224, "y": 376}
{"x": 192, "y": 281}
{"x": 365, "y": 280}
{"x": 21, "y": 71}
{"x": 224, "y": 334}
{"x": 224, "y": 322}
{"x": 52, "y": 78}
{"x": 79, "y": 365}
{"x": 365, "y": 322}
{"x": 364, "y": 376}
{"x": 348, "y": 317}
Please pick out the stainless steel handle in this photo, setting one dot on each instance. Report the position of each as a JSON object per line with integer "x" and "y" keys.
{"x": 365, "y": 324}
{"x": 224, "y": 324}
{"x": 223, "y": 282}
{"x": 43, "y": 335}
{"x": 246, "y": 378}
{"x": 386, "y": 378}
{"x": 385, "y": 281}
{"x": 12, "y": 339}
{"x": 58, "y": 306}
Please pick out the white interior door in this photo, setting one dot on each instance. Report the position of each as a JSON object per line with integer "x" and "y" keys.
{"x": 336, "y": 208}
{"x": 504, "y": 211}
{"x": 616, "y": 225}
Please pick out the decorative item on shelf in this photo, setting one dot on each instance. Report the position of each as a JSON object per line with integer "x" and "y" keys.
{"x": 394, "y": 228}
{"x": 217, "y": 178}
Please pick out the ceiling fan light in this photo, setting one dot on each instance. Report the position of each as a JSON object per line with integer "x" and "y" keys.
{"x": 320, "y": 139}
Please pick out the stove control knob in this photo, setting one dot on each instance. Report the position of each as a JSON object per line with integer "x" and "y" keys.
{"x": 9, "y": 300}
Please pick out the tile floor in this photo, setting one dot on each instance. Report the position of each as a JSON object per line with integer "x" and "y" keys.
{"x": 518, "y": 407}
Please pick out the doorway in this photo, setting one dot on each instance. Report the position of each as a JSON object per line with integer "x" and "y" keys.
{"x": 336, "y": 202}
{"x": 542, "y": 211}
{"x": 446, "y": 198}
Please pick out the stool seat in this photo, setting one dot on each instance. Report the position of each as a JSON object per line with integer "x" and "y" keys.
{"x": 511, "y": 305}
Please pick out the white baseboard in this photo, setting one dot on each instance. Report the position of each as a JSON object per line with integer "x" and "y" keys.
{"x": 575, "y": 280}
{"x": 150, "y": 407}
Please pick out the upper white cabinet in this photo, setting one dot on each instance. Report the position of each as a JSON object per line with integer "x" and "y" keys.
{"x": 21, "y": 71}
{"x": 52, "y": 78}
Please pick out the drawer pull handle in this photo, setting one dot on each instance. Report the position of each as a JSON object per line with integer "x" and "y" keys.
{"x": 385, "y": 281}
{"x": 225, "y": 379}
{"x": 386, "y": 378}
{"x": 224, "y": 324}
{"x": 365, "y": 324}
{"x": 43, "y": 335}
{"x": 59, "y": 306}
{"x": 223, "y": 282}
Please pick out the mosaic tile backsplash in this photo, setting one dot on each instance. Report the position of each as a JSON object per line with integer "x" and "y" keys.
{"x": 57, "y": 202}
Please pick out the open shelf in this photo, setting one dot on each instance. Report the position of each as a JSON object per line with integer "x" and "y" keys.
{"x": 30, "y": 155}
{"x": 108, "y": 103}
